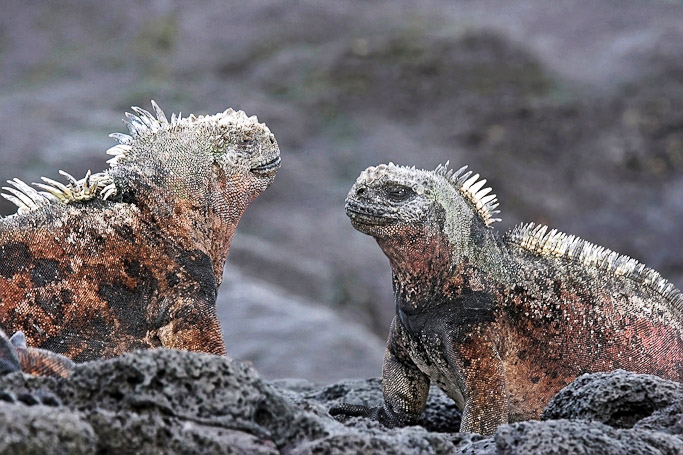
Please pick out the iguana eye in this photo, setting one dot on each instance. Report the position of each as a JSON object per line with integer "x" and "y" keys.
{"x": 399, "y": 193}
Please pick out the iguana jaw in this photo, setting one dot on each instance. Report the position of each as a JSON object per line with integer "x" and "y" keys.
{"x": 364, "y": 217}
{"x": 269, "y": 168}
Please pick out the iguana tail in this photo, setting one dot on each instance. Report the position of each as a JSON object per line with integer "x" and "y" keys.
{"x": 15, "y": 355}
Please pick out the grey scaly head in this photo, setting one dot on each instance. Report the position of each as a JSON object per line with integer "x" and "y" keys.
{"x": 223, "y": 160}
{"x": 401, "y": 204}
{"x": 186, "y": 153}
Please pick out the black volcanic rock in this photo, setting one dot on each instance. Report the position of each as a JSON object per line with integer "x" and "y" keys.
{"x": 619, "y": 398}
{"x": 575, "y": 437}
{"x": 165, "y": 401}
{"x": 40, "y": 430}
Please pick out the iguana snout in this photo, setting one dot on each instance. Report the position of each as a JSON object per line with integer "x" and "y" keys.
{"x": 382, "y": 197}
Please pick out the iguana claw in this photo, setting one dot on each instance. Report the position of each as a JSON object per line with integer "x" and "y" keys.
{"x": 9, "y": 362}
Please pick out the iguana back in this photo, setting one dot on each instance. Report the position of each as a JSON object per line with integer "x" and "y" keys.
{"x": 573, "y": 307}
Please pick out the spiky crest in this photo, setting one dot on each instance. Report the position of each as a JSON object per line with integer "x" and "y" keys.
{"x": 144, "y": 125}
{"x": 470, "y": 187}
{"x": 536, "y": 239}
{"x": 24, "y": 197}
{"x": 28, "y": 199}
{"x": 467, "y": 185}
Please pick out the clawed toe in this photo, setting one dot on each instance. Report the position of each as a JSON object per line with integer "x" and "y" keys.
{"x": 9, "y": 362}
{"x": 351, "y": 410}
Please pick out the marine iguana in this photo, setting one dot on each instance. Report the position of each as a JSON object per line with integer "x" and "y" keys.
{"x": 501, "y": 323}
{"x": 131, "y": 257}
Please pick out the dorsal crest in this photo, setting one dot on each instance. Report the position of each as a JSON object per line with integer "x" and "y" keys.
{"x": 27, "y": 199}
{"x": 538, "y": 240}
{"x": 471, "y": 187}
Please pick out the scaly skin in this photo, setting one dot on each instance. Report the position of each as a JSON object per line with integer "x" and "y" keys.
{"x": 501, "y": 324}
{"x": 131, "y": 258}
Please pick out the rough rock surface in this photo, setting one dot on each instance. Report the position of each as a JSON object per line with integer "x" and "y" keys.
{"x": 40, "y": 429}
{"x": 619, "y": 398}
{"x": 569, "y": 437}
{"x": 668, "y": 419}
{"x": 165, "y": 401}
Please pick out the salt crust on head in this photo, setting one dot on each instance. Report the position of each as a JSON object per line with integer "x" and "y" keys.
{"x": 469, "y": 186}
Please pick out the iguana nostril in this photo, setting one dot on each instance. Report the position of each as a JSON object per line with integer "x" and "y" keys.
{"x": 360, "y": 191}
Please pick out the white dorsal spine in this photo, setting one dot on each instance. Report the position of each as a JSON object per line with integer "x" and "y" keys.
{"x": 91, "y": 186}
{"x": 470, "y": 187}
{"x": 536, "y": 239}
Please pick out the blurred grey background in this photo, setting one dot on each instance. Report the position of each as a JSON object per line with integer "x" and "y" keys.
{"x": 573, "y": 110}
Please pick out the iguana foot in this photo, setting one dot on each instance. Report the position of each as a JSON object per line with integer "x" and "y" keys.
{"x": 382, "y": 414}
{"x": 15, "y": 355}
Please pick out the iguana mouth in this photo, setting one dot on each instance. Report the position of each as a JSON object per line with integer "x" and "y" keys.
{"x": 364, "y": 215}
{"x": 267, "y": 168}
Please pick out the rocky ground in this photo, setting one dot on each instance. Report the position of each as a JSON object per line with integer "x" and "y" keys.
{"x": 571, "y": 109}
{"x": 174, "y": 402}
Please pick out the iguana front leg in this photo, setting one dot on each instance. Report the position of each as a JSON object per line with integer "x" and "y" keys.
{"x": 405, "y": 388}
{"x": 193, "y": 326}
{"x": 481, "y": 374}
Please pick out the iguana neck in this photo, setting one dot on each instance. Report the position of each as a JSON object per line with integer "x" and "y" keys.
{"x": 227, "y": 203}
{"x": 429, "y": 269}
{"x": 205, "y": 219}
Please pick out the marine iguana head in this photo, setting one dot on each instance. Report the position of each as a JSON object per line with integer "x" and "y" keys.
{"x": 197, "y": 174}
{"x": 181, "y": 158}
{"x": 416, "y": 214}
{"x": 234, "y": 153}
